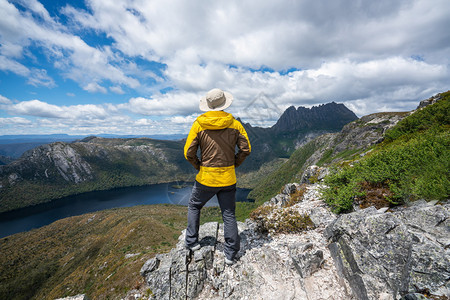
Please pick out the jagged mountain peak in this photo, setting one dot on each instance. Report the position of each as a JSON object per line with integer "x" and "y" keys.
{"x": 329, "y": 116}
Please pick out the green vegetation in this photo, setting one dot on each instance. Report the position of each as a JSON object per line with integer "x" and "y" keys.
{"x": 412, "y": 163}
{"x": 328, "y": 158}
{"x": 88, "y": 253}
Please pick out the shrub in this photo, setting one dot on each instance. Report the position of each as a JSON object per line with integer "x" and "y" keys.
{"x": 412, "y": 164}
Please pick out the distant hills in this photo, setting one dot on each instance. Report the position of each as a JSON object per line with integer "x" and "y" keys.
{"x": 13, "y": 146}
{"x": 63, "y": 168}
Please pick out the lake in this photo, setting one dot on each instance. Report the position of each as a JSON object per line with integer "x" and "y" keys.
{"x": 43, "y": 214}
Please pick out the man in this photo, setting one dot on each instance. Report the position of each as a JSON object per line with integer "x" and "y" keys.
{"x": 217, "y": 133}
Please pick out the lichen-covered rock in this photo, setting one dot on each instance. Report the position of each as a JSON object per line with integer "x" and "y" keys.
{"x": 314, "y": 174}
{"x": 283, "y": 266}
{"x": 393, "y": 253}
{"x": 181, "y": 273}
{"x": 368, "y": 254}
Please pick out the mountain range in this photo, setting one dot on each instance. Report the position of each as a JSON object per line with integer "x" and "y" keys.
{"x": 59, "y": 169}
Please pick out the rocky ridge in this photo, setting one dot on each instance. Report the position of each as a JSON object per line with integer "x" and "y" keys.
{"x": 367, "y": 254}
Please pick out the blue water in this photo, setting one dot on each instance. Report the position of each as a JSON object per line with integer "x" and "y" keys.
{"x": 43, "y": 214}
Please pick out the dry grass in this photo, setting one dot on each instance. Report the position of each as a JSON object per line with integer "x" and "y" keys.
{"x": 280, "y": 220}
{"x": 296, "y": 196}
{"x": 87, "y": 254}
{"x": 374, "y": 195}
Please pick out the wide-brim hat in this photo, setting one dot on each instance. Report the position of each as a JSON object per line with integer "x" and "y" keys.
{"x": 215, "y": 100}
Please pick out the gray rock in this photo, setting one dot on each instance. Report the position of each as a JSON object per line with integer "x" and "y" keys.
{"x": 414, "y": 296}
{"x": 306, "y": 260}
{"x": 181, "y": 273}
{"x": 290, "y": 188}
{"x": 383, "y": 210}
{"x": 280, "y": 200}
{"x": 321, "y": 216}
{"x": 314, "y": 174}
{"x": 430, "y": 101}
{"x": 395, "y": 253}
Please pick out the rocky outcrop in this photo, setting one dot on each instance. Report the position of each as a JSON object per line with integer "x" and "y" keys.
{"x": 355, "y": 137}
{"x": 431, "y": 100}
{"x": 366, "y": 131}
{"x": 283, "y": 266}
{"x": 389, "y": 255}
{"x": 368, "y": 254}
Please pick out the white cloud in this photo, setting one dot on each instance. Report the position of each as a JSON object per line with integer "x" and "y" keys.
{"x": 14, "y": 121}
{"x": 164, "y": 104}
{"x": 37, "y": 108}
{"x": 7, "y": 64}
{"x": 278, "y": 34}
{"x": 188, "y": 120}
{"x": 381, "y": 83}
{"x": 356, "y": 52}
{"x": 4, "y": 100}
{"x": 94, "y": 87}
{"x": 45, "y": 110}
{"x": 76, "y": 59}
{"x": 117, "y": 90}
{"x": 39, "y": 77}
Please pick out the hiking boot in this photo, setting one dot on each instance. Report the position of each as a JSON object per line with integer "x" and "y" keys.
{"x": 229, "y": 261}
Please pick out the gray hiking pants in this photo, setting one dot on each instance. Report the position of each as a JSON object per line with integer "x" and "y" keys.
{"x": 227, "y": 202}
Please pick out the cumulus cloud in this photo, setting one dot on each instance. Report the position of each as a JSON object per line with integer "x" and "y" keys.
{"x": 164, "y": 104}
{"x": 371, "y": 55}
{"x": 117, "y": 90}
{"x": 14, "y": 121}
{"x": 278, "y": 34}
{"x": 42, "y": 109}
{"x": 4, "y": 100}
{"x": 345, "y": 51}
{"x": 94, "y": 87}
{"x": 76, "y": 59}
{"x": 7, "y": 64}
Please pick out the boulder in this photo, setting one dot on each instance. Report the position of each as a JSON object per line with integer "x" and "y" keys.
{"x": 389, "y": 255}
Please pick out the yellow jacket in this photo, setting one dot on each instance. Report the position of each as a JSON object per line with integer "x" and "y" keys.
{"x": 217, "y": 133}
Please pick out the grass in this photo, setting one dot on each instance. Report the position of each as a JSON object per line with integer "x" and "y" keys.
{"x": 86, "y": 254}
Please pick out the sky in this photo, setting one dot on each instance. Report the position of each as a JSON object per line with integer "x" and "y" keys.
{"x": 141, "y": 66}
